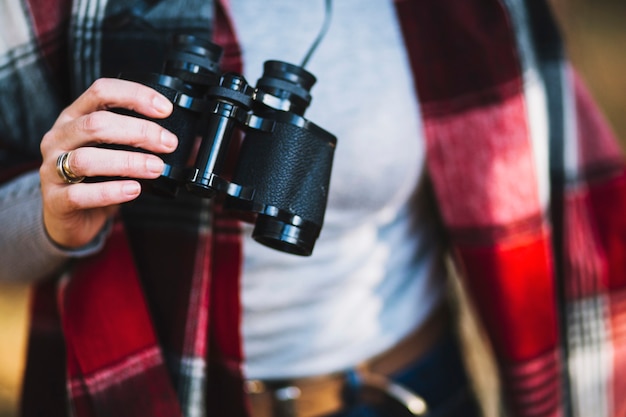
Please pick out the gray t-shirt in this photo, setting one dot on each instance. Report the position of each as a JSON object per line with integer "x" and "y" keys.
{"x": 375, "y": 273}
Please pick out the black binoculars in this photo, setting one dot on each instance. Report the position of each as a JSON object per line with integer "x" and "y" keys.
{"x": 283, "y": 166}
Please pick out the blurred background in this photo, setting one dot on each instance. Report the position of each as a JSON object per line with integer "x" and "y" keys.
{"x": 595, "y": 35}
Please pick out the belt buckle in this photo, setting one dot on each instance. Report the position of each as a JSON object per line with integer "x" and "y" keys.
{"x": 366, "y": 383}
{"x": 285, "y": 401}
{"x": 283, "y": 396}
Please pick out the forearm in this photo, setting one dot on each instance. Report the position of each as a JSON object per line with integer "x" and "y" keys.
{"x": 26, "y": 252}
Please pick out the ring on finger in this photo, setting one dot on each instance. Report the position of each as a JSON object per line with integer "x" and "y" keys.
{"x": 64, "y": 170}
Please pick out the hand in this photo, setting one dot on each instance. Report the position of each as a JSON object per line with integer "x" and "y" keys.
{"x": 73, "y": 214}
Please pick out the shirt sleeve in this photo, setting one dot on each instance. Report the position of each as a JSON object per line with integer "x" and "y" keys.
{"x": 26, "y": 252}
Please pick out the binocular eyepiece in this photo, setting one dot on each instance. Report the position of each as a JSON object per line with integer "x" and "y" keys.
{"x": 283, "y": 167}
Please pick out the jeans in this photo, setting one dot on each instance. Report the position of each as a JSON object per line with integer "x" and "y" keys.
{"x": 438, "y": 377}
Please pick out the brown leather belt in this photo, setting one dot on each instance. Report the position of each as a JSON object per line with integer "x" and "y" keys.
{"x": 321, "y": 395}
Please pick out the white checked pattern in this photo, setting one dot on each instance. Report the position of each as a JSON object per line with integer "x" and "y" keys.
{"x": 17, "y": 44}
{"x": 87, "y": 18}
{"x": 535, "y": 95}
{"x": 16, "y": 31}
{"x": 590, "y": 357}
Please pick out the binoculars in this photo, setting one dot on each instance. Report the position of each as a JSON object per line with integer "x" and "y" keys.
{"x": 282, "y": 171}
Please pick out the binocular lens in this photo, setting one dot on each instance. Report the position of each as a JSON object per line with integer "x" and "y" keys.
{"x": 194, "y": 60}
{"x": 285, "y": 87}
{"x": 283, "y": 236}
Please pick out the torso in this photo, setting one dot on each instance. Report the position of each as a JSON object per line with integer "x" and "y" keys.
{"x": 375, "y": 273}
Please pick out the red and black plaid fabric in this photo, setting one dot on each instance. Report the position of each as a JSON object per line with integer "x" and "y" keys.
{"x": 530, "y": 184}
{"x": 528, "y": 178}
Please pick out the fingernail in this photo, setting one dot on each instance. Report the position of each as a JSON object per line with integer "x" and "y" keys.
{"x": 154, "y": 166}
{"x": 162, "y": 105}
{"x": 131, "y": 189}
{"x": 169, "y": 139}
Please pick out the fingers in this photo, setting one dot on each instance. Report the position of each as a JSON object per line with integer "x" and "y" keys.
{"x": 89, "y": 196}
{"x": 92, "y": 162}
{"x": 107, "y": 93}
{"x": 73, "y": 215}
{"x": 110, "y": 128}
{"x": 86, "y": 121}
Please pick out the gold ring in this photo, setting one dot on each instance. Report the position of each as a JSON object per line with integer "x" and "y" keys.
{"x": 64, "y": 170}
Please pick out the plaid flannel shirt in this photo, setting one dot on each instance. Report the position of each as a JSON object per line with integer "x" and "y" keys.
{"x": 527, "y": 176}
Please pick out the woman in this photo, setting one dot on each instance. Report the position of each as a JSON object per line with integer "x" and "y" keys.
{"x": 159, "y": 321}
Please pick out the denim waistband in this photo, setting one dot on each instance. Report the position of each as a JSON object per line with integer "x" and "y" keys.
{"x": 438, "y": 378}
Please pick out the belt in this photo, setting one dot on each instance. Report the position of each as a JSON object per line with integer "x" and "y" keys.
{"x": 321, "y": 395}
